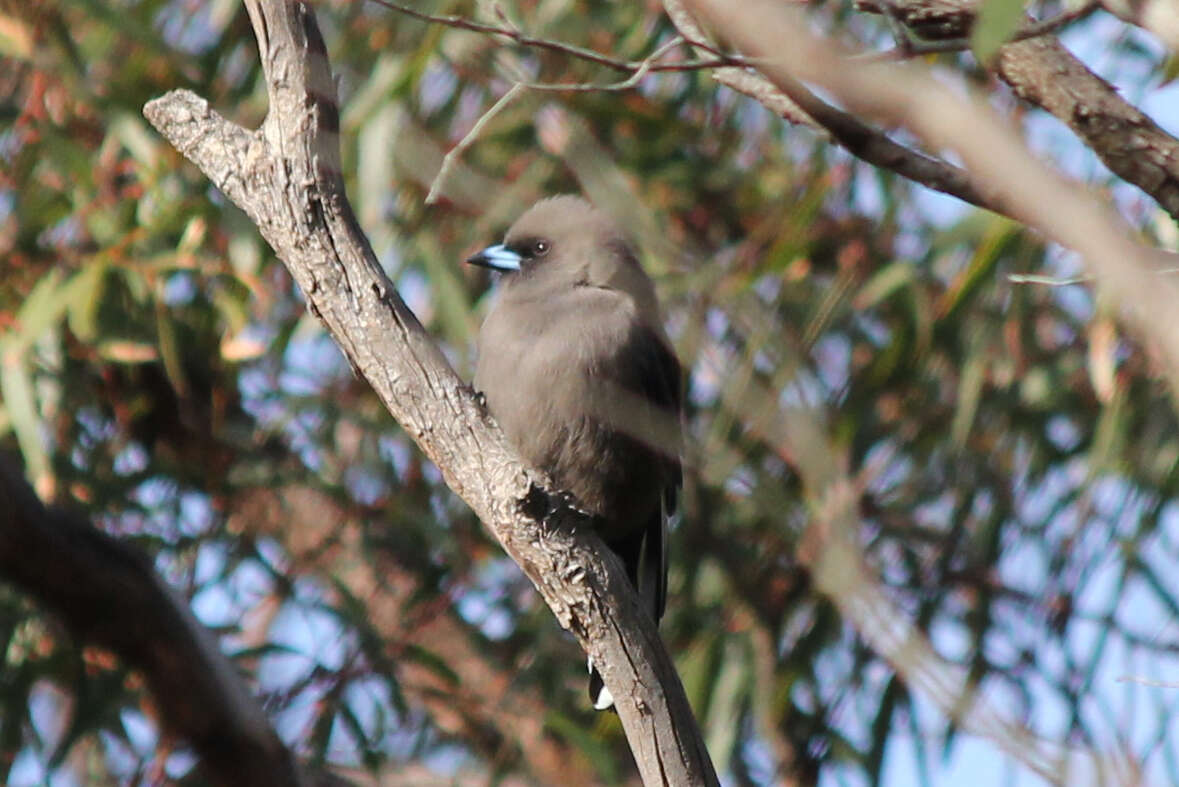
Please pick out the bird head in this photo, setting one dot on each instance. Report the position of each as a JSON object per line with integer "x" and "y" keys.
{"x": 565, "y": 236}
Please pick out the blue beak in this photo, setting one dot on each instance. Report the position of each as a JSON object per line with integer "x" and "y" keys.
{"x": 498, "y": 257}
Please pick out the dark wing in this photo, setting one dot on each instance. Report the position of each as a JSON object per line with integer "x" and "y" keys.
{"x": 650, "y": 370}
{"x": 658, "y": 378}
{"x": 669, "y": 396}
{"x": 653, "y": 372}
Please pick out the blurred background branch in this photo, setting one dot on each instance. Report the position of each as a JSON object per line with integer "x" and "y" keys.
{"x": 108, "y": 596}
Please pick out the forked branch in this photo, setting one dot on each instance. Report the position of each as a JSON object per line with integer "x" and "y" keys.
{"x": 286, "y": 177}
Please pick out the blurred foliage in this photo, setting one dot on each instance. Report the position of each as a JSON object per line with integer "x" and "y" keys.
{"x": 1014, "y": 454}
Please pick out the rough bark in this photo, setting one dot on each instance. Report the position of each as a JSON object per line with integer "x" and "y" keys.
{"x": 286, "y": 177}
{"x": 793, "y": 102}
{"x": 778, "y": 39}
{"x": 1134, "y": 147}
{"x": 908, "y": 96}
{"x": 1041, "y": 71}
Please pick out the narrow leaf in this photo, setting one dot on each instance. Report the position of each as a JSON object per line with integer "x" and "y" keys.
{"x": 997, "y": 21}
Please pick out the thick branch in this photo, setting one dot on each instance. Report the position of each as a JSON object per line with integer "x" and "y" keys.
{"x": 287, "y": 178}
{"x": 795, "y": 103}
{"x": 1040, "y": 70}
{"x": 907, "y": 95}
{"x": 106, "y": 592}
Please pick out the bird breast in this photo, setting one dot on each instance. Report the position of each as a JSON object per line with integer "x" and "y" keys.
{"x": 554, "y": 376}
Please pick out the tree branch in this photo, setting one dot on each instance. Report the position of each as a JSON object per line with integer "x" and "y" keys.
{"x": 486, "y": 704}
{"x": 1041, "y": 71}
{"x": 791, "y": 99}
{"x": 908, "y": 45}
{"x": 636, "y": 68}
{"x": 907, "y": 95}
{"x": 106, "y": 592}
{"x": 286, "y": 177}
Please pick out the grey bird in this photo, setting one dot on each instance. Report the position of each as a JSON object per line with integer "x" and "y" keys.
{"x": 576, "y": 368}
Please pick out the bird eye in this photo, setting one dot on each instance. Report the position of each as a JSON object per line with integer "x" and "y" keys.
{"x": 540, "y": 248}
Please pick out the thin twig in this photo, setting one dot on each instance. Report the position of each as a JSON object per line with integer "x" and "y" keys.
{"x": 800, "y": 106}
{"x": 645, "y": 67}
{"x": 1053, "y": 281}
{"x": 452, "y": 156}
{"x": 462, "y": 23}
{"x": 629, "y": 66}
{"x": 1156, "y": 684}
{"x": 1054, "y": 23}
{"x": 1050, "y": 281}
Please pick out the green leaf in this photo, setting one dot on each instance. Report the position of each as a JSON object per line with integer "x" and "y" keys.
{"x": 1109, "y": 436}
{"x": 595, "y": 747}
{"x": 416, "y": 654}
{"x": 997, "y": 21}
{"x": 16, "y": 389}
{"x": 42, "y": 308}
{"x": 373, "y": 179}
{"x": 993, "y": 242}
{"x": 131, "y": 131}
{"x": 265, "y": 649}
{"x": 969, "y": 393}
{"x": 81, "y": 296}
{"x": 1170, "y": 71}
{"x": 730, "y": 691}
{"x": 884, "y": 283}
{"x": 449, "y": 296}
{"x": 697, "y": 667}
{"x": 170, "y": 351}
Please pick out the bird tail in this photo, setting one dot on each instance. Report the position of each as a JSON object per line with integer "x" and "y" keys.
{"x": 645, "y": 558}
{"x": 599, "y": 695}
